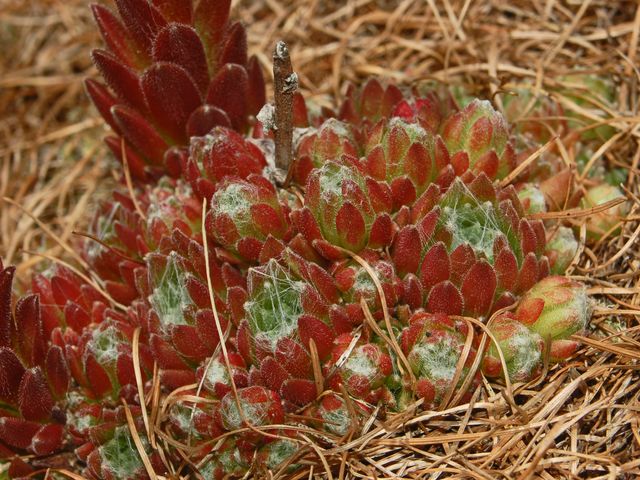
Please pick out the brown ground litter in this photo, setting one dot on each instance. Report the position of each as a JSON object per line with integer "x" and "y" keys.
{"x": 583, "y": 419}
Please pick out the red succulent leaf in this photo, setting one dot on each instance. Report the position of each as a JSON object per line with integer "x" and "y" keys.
{"x": 376, "y": 163}
{"x": 563, "y": 349}
{"x": 460, "y": 162}
{"x": 412, "y": 291}
{"x": 425, "y": 390}
{"x": 404, "y": 252}
{"x": 244, "y": 342}
{"x": 462, "y": 258}
{"x": 175, "y": 10}
{"x": 49, "y": 439}
{"x": 380, "y": 195}
{"x": 114, "y": 34}
{"x": 143, "y": 21}
{"x": 273, "y": 374}
{"x": 177, "y": 378}
{"x": 228, "y": 91}
{"x": 350, "y": 226}
{"x": 34, "y": 397}
{"x": 478, "y": 288}
{"x": 404, "y": 192}
{"x": 125, "y": 371}
{"x": 30, "y": 341}
{"x": 489, "y": 163}
{"x": 506, "y": 267}
{"x": 204, "y": 118}
{"x": 529, "y": 310}
{"x": 120, "y": 292}
{"x": 140, "y": 133}
{"x": 103, "y": 100}
{"x": 267, "y": 220}
{"x": 210, "y": 18}
{"x": 136, "y": 163}
{"x": 180, "y": 44}
{"x": 170, "y": 111}
{"x": 482, "y": 188}
{"x": 299, "y": 391}
{"x": 312, "y": 328}
{"x": 528, "y": 238}
{"x": 256, "y": 96}
{"x": 528, "y": 274}
{"x": 234, "y": 48}
{"x": 506, "y": 299}
{"x": 57, "y": 371}
{"x": 186, "y": 340}
{"x": 249, "y": 248}
{"x": 97, "y": 376}
{"x": 293, "y": 358}
{"x": 445, "y": 298}
{"x": 17, "y": 433}
{"x": 64, "y": 291}
{"x": 418, "y": 163}
{"x": 11, "y": 373}
{"x": 120, "y": 78}
{"x": 18, "y": 467}
{"x": 435, "y": 266}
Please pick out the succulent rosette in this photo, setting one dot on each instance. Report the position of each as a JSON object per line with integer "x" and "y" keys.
{"x": 556, "y": 308}
{"x": 477, "y": 252}
{"x": 356, "y": 284}
{"x": 406, "y": 157}
{"x": 160, "y": 48}
{"x": 480, "y": 134}
{"x": 178, "y": 316}
{"x": 366, "y": 106}
{"x": 290, "y": 303}
{"x": 363, "y": 368}
{"x": 219, "y": 154}
{"x": 561, "y": 249}
{"x": 433, "y": 345}
{"x": 521, "y": 349}
{"x": 346, "y": 209}
{"x": 34, "y": 377}
{"x": 331, "y": 414}
{"x": 330, "y": 141}
{"x": 242, "y": 215}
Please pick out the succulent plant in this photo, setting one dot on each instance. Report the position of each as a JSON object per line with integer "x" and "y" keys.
{"x": 556, "y": 308}
{"x": 155, "y": 49}
{"x": 476, "y": 251}
{"x": 521, "y": 349}
{"x": 34, "y": 377}
{"x": 434, "y": 344}
{"x": 290, "y": 308}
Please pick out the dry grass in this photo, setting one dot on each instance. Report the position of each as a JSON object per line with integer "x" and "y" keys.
{"x": 583, "y": 419}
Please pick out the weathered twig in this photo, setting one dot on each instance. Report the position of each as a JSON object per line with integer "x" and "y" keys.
{"x": 285, "y": 84}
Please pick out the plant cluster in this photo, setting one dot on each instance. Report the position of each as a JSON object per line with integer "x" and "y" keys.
{"x": 226, "y": 317}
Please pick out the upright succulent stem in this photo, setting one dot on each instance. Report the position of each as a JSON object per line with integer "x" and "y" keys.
{"x": 285, "y": 84}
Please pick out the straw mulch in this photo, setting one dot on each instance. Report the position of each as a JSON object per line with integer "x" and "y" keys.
{"x": 582, "y": 420}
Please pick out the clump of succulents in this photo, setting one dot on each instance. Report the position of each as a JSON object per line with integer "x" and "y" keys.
{"x": 347, "y": 297}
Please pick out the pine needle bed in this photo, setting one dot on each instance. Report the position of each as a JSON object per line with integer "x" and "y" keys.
{"x": 578, "y": 420}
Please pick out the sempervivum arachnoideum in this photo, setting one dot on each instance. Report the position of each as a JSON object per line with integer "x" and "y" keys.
{"x": 434, "y": 345}
{"x": 470, "y": 250}
{"x": 34, "y": 378}
{"x": 157, "y": 49}
{"x": 344, "y": 208}
{"x": 242, "y": 215}
{"x": 291, "y": 302}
